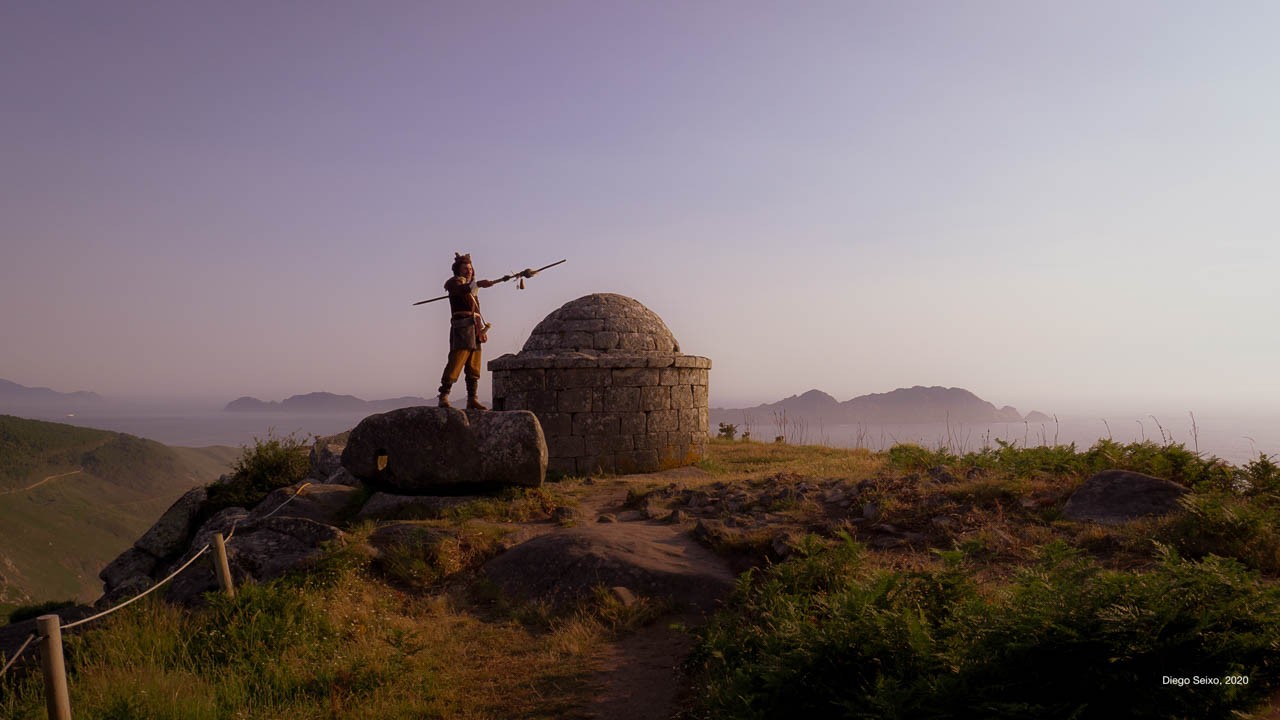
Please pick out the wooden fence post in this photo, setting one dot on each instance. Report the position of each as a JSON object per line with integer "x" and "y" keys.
{"x": 57, "y": 700}
{"x": 221, "y": 567}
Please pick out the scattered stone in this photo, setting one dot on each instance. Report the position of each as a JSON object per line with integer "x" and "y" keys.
{"x": 709, "y": 533}
{"x": 624, "y": 595}
{"x": 1113, "y": 497}
{"x": 631, "y": 516}
{"x": 871, "y": 511}
{"x": 607, "y": 518}
{"x": 326, "y": 457}
{"x": 677, "y": 516}
{"x": 783, "y": 544}
{"x": 564, "y": 514}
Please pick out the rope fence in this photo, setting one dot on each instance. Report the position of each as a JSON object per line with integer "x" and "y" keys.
{"x": 50, "y": 629}
{"x": 18, "y": 654}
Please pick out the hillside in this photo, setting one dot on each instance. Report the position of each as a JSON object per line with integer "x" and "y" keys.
{"x": 72, "y": 498}
{"x": 916, "y": 404}
{"x": 906, "y": 583}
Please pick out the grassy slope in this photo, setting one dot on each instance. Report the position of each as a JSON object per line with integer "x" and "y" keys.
{"x": 55, "y": 537}
{"x": 353, "y": 641}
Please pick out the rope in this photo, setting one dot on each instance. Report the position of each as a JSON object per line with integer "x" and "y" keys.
{"x": 17, "y": 655}
{"x": 174, "y": 574}
{"x": 148, "y": 591}
{"x": 296, "y": 493}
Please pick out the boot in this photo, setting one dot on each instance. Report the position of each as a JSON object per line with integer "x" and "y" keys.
{"x": 444, "y": 400}
{"x": 473, "y": 400}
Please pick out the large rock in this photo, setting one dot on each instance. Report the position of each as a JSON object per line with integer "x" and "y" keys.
{"x": 565, "y": 567}
{"x": 267, "y": 549}
{"x": 129, "y": 566}
{"x": 169, "y": 535}
{"x": 329, "y": 504}
{"x": 426, "y": 450}
{"x": 1113, "y": 497}
{"x": 260, "y": 551}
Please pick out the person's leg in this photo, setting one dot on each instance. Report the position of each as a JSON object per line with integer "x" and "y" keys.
{"x": 473, "y": 382}
{"x": 452, "y": 369}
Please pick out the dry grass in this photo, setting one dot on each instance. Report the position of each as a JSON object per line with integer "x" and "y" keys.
{"x": 734, "y": 460}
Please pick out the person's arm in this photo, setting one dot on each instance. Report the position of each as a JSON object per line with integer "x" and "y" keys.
{"x": 485, "y": 283}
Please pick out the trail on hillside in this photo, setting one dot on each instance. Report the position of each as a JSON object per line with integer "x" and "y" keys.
{"x": 35, "y": 485}
{"x": 638, "y": 677}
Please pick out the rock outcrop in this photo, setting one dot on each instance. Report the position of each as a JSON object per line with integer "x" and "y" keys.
{"x": 171, "y": 531}
{"x": 1113, "y": 497}
{"x": 270, "y": 539}
{"x": 426, "y": 450}
{"x": 565, "y": 567}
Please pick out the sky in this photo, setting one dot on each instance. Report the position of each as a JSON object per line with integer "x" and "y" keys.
{"x": 1066, "y": 207}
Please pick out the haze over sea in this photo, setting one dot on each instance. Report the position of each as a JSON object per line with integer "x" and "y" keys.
{"x": 1234, "y": 438}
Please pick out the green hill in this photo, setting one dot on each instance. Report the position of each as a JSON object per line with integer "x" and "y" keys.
{"x": 73, "y": 498}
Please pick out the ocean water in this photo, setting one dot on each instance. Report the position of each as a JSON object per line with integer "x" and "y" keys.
{"x": 1236, "y": 439}
{"x": 200, "y": 428}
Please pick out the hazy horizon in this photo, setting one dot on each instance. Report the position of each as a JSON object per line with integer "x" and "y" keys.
{"x": 1062, "y": 208}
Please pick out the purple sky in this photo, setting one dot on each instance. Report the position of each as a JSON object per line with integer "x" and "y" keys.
{"x": 1062, "y": 206}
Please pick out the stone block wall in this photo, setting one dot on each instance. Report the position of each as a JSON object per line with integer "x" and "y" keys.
{"x": 610, "y": 413}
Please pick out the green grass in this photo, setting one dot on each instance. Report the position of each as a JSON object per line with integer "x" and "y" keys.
{"x": 339, "y": 642}
{"x": 57, "y": 535}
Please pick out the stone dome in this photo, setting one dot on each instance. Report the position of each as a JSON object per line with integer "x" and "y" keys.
{"x": 602, "y": 323}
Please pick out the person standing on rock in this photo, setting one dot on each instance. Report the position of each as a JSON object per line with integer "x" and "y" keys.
{"x": 466, "y": 331}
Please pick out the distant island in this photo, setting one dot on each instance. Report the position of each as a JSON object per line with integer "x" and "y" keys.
{"x": 15, "y": 397}
{"x": 322, "y": 402}
{"x": 917, "y": 404}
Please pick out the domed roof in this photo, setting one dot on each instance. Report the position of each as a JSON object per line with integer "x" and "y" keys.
{"x": 602, "y": 323}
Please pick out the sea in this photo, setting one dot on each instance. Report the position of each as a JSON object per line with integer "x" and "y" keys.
{"x": 1236, "y": 439}
{"x": 200, "y": 427}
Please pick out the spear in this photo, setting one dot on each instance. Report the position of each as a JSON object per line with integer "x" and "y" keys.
{"x": 526, "y": 273}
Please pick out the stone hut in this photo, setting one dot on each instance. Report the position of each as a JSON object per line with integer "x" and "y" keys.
{"x": 610, "y": 387}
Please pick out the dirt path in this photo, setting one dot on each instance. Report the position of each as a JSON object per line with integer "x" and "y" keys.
{"x": 33, "y": 486}
{"x": 639, "y": 676}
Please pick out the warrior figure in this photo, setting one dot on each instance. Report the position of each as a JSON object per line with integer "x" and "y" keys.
{"x": 466, "y": 331}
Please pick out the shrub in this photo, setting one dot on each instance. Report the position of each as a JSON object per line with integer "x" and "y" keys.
{"x": 1218, "y": 523}
{"x": 829, "y": 636}
{"x": 26, "y": 612}
{"x": 272, "y": 463}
